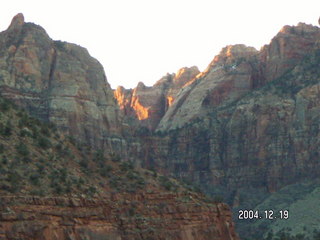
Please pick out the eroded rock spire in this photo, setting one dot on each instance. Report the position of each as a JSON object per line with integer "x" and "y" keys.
{"x": 17, "y": 21}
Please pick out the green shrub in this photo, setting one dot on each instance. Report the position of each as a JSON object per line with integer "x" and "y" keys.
{"x": 15, "y": 180}
{"x": 99, "y": 156}
{"x": 81, "y": 181}
{"x": 72, "y": 140}
{"x": 24, "y": 121}
{"x": 34, "y": 179}
{"x": 26, "y": 159}
{"x": 83, "y": 163}
{"x": 22, "y": 149}
{"x": 4, "y": 160}
{"x": 5, "y": 105}
{"x": 91, "y": 191}
{"x": 131, "y": 212}
{"x": 35, "y": 132}
{"x": 63, "y": 174}
{"x": 166, "y": 183}
{"x": 40, "y": 168}
{"x": 105, "y": 170}
{"x": 115, "y": 157}
{"x": 25, "y": 133}
{"x": 57, "y": 188}
{"x": 44, "y": 143}
{"x": 114, "y": 182}
{"x": 59, "y": 44}
{"x": 45, "y": 131}
{"x": 2, "y": 148}
{"x": 59, "y": 147}
{"x": 126, "y": 166}
{"x": 6, "y": 130}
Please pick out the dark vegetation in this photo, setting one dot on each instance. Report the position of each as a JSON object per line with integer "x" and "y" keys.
{"x": 36, "y": 159}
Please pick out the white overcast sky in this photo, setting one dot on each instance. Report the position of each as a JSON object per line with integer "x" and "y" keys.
{"x": 142, "y": 40}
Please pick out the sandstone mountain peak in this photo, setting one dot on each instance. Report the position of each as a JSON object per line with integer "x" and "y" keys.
{"x": 17, "y": 21}
{"x": 141, "y": 85}
{"x": 234, "y": 51}
{"x": 301, "y": 28}
{"x": 62, "y": 78}
{"x": 186, "y": 71}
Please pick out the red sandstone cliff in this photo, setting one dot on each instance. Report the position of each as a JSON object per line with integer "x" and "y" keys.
{"x": 123, "y": 217}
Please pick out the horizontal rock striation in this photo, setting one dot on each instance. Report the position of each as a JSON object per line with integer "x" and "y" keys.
{"x": 121, "y": 217}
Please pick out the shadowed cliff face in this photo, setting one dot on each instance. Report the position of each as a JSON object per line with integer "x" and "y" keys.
{"x": 56, "y": 81}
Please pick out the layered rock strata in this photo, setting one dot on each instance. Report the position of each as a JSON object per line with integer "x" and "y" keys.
{"x": 122, "y": 217}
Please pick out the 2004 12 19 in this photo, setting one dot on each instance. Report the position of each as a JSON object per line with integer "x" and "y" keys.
{"x": 266, "y": 214}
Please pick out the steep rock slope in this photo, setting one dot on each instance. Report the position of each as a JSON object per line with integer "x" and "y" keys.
{"x": 56, "y": 81}
{"x": 227, "y": 78}
{"x": 149, "y": 104}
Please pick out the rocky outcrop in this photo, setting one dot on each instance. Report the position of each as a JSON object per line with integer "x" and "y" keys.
{"x": 285, "y": 50}
{"x": 121, "y": 217}
{"x": 228, "y": 77}
{"x": 229, "y": 131}
{"x": 56, "y": 81}
{"x": 149, "y": 104}
{"x": 239, "y": 69}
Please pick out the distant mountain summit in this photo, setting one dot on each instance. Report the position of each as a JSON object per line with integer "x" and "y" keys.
{"x": 57, "y": 82}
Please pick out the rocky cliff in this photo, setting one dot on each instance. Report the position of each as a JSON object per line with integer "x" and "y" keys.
{"x": 249, "y": 125}
{"x": 121, "y": 217}
{"x": 56, "y": 81}
{"x": 149, "y": 104}
{"x": 228, "y": 77}
{"x": 242, "y": 123}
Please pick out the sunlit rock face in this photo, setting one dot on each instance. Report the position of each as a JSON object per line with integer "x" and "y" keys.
{"x": 56, "y": 81}
{"x": 149, "y": 104}
{"x": 227, "y": 78}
